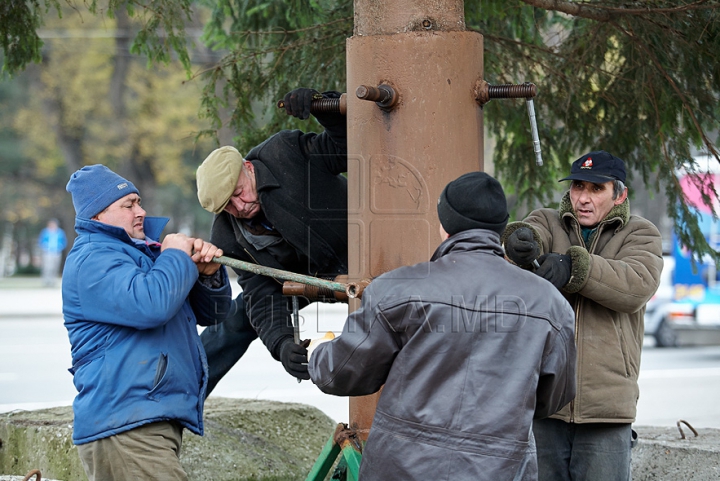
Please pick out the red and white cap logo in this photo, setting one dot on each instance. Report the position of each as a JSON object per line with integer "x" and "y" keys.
{"x": 587, "y": 164}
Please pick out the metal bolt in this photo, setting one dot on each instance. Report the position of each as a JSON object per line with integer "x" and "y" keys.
{"x": 512, "y": 91}
{"x": 383, "y": 95}
{"x": 321, "y": 105}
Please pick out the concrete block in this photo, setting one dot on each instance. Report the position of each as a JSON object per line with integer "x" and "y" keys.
{"x": 39, "y": 440}
{"x": 244, "y": 440}
{"x": 661, "y": 454}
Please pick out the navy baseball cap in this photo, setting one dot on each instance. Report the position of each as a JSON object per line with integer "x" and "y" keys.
{"x": 597, "y": 167}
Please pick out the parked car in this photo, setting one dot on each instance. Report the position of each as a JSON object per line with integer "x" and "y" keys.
{"x": 683, "y": 318}
{"x": 657, "y": 310}
{"x": 693, "y": 323}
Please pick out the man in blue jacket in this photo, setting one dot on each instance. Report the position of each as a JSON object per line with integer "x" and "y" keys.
{"x": 52, "y": 242}
{"x": 131, "y": 305}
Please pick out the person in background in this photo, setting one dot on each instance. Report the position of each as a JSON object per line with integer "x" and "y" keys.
{"x": 283, "y": 205}
{"x": 467, "y": 359}
{"x": 131, "y": 306}
{"x": 607, "y": 264}
{"x": 52, "y": 242}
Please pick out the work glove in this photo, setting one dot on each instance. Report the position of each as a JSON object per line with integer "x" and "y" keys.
{"x": 329, "y": 336}
{"x": 294, "y": 359}
{"x": 297, "y": 102}
{"x": 556, "y": 268}
{"x": 521, "y": 247}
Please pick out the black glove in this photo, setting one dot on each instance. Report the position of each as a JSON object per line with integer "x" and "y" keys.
{"x": 521, "y": 247}
{"x": 297, "y": 102}
{"x": 556, "y": 268}
{"x": 294, "y": 359}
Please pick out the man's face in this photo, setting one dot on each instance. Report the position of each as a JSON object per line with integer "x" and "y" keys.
{"x": 593, "y": 202}
{"x": 127, "y": 214}
{"x": 244, "y": 203}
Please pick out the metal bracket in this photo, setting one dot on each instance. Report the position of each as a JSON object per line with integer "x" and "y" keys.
{"x": 484, "y": 92}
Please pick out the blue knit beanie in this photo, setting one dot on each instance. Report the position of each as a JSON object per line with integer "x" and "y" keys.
{"x": 94, "y": 187}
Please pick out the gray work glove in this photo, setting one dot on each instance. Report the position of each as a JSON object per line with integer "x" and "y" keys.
{"x": 294, "y": 359}
{"x": 297, "y": 102}
{"x": 557, "y": 268}
{"x": 521, "y": 247}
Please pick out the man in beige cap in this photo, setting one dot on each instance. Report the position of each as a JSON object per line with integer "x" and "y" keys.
{"x": 284, "y": 205}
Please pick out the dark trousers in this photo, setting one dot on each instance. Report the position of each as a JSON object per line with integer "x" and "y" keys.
{"x": 226, "y": 342}
{"x": 583, "y": 452}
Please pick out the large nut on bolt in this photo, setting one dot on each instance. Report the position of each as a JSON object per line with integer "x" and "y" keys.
{"x": 383, "y": 95}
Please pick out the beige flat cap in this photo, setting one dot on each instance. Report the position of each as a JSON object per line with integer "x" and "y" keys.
{"x": 217, "y": 178}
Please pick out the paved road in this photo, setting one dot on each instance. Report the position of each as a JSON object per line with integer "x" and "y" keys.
{"x": 35, "y": 354}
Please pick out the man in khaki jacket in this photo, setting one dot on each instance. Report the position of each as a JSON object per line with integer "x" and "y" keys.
{"x": 607, "y": 263}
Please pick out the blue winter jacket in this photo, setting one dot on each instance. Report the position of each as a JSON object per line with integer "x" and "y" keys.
{"x": 131, "y": 314}
{"x": 53, "y": 241}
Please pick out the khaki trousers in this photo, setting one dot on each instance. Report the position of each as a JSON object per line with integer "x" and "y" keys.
{"x": 150, "y": 452}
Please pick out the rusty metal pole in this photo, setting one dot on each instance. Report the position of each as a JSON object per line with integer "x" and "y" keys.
{"x": 404, "y": 150}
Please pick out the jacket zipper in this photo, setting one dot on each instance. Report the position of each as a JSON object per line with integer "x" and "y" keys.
{"x": 579, "y": 302}
{"x": 578, "y": 309}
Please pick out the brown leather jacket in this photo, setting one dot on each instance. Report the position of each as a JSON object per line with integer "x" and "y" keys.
{"x": 470, "y": 348}
{"x": 612, "y": 279}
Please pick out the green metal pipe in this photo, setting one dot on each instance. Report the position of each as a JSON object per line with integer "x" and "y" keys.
{"x": 280, "y": 274}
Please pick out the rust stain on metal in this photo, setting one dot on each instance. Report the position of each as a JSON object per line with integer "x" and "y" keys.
{"x": 682, "y": 434}
{"x": 345, "y": 436}
{"x": 34, "y": 472}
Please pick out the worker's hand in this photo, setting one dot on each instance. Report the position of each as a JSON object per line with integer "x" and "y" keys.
{"x": 521, "y": 247}
{"x": 203, "y": 254}
{"x": 297, "y": 102}
{"x": 294, "y": 359}
{"x": 178, "y": 241}
{"x": 557, "y": 268}
{"x": 329, "y": 336}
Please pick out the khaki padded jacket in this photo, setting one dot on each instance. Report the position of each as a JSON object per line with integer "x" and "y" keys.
{"x": 612, "y": 279}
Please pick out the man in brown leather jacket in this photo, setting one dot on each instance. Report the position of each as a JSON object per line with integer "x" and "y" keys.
{"x": 469, "y": 347}
{"x": 607, "y": 264}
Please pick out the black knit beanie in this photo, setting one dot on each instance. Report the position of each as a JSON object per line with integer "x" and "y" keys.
{"x": 473, "y": 201}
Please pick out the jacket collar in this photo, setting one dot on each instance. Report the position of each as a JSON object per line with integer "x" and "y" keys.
{"x": 470, "y": 240}
{"x": 619, "y": 213}
{"x": 264, "y": 179}
{"x": 153, "y": 228}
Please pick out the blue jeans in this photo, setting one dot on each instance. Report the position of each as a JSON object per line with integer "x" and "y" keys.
{"x": 583, "y": 452}
{"x": 226, "y": 342}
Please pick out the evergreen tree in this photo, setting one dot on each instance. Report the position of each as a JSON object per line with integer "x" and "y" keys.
{"x": 638, "y": 78}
